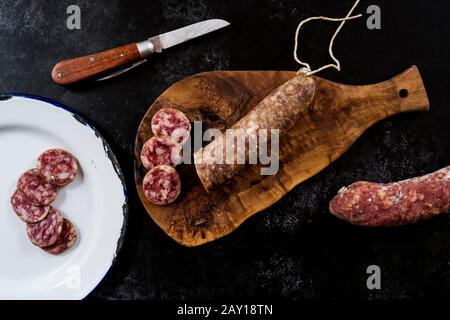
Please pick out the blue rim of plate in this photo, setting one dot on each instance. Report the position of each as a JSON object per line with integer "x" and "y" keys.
{"x": 108, "y": 151}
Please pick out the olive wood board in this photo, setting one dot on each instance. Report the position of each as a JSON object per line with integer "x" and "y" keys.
{"x": 338, "y": 115}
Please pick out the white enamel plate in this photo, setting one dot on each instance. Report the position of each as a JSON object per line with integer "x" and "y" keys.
{"x": 95, "y": 202}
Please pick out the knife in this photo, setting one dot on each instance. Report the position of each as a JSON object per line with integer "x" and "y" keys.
{"x": 133, "y": 54}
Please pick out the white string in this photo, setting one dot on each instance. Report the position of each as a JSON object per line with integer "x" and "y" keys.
{"x": 307, "y": 68}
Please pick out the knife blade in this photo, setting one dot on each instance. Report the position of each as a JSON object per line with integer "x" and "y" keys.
{"x": 172, "y": 38}
{"x": 73, "y": 70}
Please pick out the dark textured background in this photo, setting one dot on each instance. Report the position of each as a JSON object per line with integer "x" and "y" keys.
{"x": 295, "y": 249}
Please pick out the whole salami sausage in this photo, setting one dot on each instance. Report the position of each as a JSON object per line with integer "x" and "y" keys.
{"x": 58, "y": 166}
{"x": 172, "y": 123}
{"x": 162, "y": 185}
{"x": 26, "y": 211}
{"x": 161, "y": 150}
{"x": 280, "y": 110}
{"x": 35, "y": 188}
{"x": 66, "y": 239}
{"x": 394, "y": 204}
{"x": 46, "y": 232}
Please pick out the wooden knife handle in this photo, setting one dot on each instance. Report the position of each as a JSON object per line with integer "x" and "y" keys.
{"x": 76, "y": 69}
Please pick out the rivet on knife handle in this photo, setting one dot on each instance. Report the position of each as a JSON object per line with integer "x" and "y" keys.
{"x": 76, "y": 69}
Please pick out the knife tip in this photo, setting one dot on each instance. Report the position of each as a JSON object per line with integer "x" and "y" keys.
{"x": 225, "y": 23}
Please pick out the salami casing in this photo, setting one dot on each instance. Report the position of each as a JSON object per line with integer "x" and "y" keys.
{"x": 26, "y": 211}
{"x": 172, "y": 123}
{"x": 280, "y": 110}
{"x": 46, "y": 232}
{"x": 162, "y": 185}
{"x": 58, "y": 166}
{"x": 66, "y": 239}
{"x": 36, "y": 189}
{"x": 394, "y": 204}
{"x": 161, "y": 150}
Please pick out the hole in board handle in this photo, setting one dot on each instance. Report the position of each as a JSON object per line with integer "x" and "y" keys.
{"x": 404, "y": 93}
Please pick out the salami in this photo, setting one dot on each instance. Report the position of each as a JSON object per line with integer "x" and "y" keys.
{"x": 172, "y": 123}
{"x": 35, "y": 188}
{"x": 161, "y": 150}
{"x": 394, "y": 204}
{"x": 162, "y": 185}
{"x": 280, "y": 110}
{"x": 59, "y": 167}
{"x": 46, "y": 232}
{"x": 26, "y": 211}
{"x": 66, "y": 239}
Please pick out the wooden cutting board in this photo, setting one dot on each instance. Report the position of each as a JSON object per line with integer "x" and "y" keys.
{"x": 339, "y": 115}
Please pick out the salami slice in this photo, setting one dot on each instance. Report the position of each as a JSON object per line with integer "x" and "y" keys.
{"x": 278, "y": 111}
{"x": 66, "y": 239}
{"x": 394, "y": 204}
{"x": 26, "y": 211}
{"x": 46, "y": 232}
{"x": 161, "y": 150}
{"x": 162, "y": 185}
{"x": 172, "y": 123}
{"x": 58, "y": 166}
{"x": 35, "y": 188}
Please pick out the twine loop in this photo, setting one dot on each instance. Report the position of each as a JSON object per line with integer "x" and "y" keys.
{"x": 337, "y": 65}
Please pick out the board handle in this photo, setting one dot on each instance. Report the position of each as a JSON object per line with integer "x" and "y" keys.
{"x": 410, "y": 91}
{"x": 403, "y": 93}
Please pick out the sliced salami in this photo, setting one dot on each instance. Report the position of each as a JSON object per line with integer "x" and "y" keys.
{"x": 26, "y": 211}
{"x": 66, "y": 239}
{"x": 162, "y": 185}
{"x": 46, "y": 232}
{"x": 161, "y": 150}
{"x": 36, "y": 189}
{"x": 172, "y": 123}
{"x": 58, "y": 166}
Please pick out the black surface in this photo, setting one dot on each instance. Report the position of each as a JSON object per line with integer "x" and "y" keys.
{"x": 296, "y": 249}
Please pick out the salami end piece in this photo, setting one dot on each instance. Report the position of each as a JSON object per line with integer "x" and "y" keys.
{"x": 26, "y": 211}
{"x": 46, "y": 232}
{"x": 66, "y": 239}
{"x": 36, "y": 189}
{"x": 58, "y": 166}
{"x": 394, "y": 204}
{"x": 172, "y": 123}
{"x": 161, "y": 150}
{"x": 162, "y": 185}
